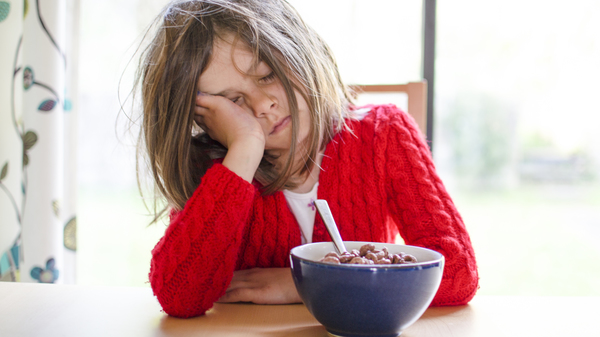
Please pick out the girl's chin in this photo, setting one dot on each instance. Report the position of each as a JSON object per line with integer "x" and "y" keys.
{"x": 278, "y": 148}
{"x": 278, "y": 155}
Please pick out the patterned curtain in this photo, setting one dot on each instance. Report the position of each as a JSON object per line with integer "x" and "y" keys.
{"x": 37, "y": 140}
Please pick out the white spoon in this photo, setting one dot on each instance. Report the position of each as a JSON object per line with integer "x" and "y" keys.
{"x": 325, "y": 212}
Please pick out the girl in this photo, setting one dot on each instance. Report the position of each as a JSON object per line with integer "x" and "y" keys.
{"x": 245, "y": 122}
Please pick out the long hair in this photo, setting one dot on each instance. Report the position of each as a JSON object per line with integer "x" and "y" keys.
{"x": 176, "y": 151}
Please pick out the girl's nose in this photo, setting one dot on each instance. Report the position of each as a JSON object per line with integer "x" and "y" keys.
{"x": 264, "y": 104}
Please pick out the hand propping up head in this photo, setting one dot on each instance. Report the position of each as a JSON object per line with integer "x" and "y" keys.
{"x": 226, "y": 122}
{"x": 236, "y": 129}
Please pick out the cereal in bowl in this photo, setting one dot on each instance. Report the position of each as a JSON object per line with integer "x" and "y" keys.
{"x": 367, "y": 254}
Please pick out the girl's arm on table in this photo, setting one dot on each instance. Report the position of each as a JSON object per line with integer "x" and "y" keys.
{"x": 193, "y": 263}
{"x": 424, "y": 211}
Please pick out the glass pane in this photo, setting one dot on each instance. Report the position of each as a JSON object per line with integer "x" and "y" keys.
{"x": 515, "y": 139}
{"x": 374, "y": 41}
{"x": 514, "y": 143}
{"x": 114, "y": 242}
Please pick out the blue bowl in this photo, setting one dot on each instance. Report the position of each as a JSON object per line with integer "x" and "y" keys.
{"x": 366, "y": 300}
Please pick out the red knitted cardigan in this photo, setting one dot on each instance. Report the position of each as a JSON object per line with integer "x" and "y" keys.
{"x": 379, "y": 179}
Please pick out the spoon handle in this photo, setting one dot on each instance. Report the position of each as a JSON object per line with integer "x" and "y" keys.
{"x": 327, "y": 217}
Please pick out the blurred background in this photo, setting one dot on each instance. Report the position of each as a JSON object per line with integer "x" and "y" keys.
{"x": 515, "y": 142}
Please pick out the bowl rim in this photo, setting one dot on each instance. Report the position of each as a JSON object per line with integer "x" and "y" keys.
{"x": 417, "y": 265}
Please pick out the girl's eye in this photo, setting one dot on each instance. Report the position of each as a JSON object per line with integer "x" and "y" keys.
{"x": 237, "y": 100}
{"x": 267, "y": 79}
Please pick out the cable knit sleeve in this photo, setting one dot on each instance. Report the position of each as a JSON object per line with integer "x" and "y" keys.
{"x": 193, "y": 263}
{"x": 422, "y": 208}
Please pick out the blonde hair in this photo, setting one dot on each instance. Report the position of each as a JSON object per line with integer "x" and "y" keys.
{"x": 179, "y": 52}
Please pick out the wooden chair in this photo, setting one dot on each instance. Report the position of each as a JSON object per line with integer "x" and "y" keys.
{"x": 417, "y": 98}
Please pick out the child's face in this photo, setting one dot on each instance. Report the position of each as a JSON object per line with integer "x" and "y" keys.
{"x": 256, "y": 89}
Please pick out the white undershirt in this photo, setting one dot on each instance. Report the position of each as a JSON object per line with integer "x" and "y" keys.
{"x": 303, "y": 207}
{"x": 302, "y": 204}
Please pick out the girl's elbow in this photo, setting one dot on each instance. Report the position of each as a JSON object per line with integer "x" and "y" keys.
{"x": 183, "y": 312}
{"x": 459, "y": 292}
{"x": 180, "y": 307}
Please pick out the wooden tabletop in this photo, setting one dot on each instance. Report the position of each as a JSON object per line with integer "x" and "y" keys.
{"x": 60, "y": 310}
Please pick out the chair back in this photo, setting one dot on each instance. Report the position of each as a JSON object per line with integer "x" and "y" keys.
{"x": 415, "y": 91}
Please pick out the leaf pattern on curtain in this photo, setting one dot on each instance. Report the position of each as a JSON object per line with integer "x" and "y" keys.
{"x": 70, "y": 234}
{"x": 29, "y": 140}
{"x": 47, "y": 275}
{"x": 4, "y": 9}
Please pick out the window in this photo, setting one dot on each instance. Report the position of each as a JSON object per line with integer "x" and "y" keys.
{"x": 514, "y": 130}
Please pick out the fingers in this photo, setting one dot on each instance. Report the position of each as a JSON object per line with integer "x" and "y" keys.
{"x": 243, "y": 288}
{"x": 239, "y": 295}
{"x": 199, "y": 96}
{"x": 231, "y": 124}
{"x": 243, "y": 275}
{"x": 199, "y": 119}
{"x": 208, "y": 101}
{"x": 237, "y": 283}
{"x": 264, "y": 294}
{"x": 202, "y": 110}
{"x": 245, "y": 279}
{"x": 204, "y": 104}
{"x": 262, "y": 286}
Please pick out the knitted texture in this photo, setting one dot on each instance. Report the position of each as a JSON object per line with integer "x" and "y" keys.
{"x": 378, "y": 178}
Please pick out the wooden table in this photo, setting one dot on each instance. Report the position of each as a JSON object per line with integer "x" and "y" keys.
{"x": 81, "y": 311}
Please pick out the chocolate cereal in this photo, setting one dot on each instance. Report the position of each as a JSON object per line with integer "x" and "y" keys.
{"x": 367, "y": 254}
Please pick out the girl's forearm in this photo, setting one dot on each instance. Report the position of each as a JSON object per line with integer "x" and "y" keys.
{"x": 425, "y": 212}
{"x": 243, "y": 158}
{"x": 193, "y": 263}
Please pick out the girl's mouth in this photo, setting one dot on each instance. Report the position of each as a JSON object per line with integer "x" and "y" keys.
{"x": 281, "y": 125}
